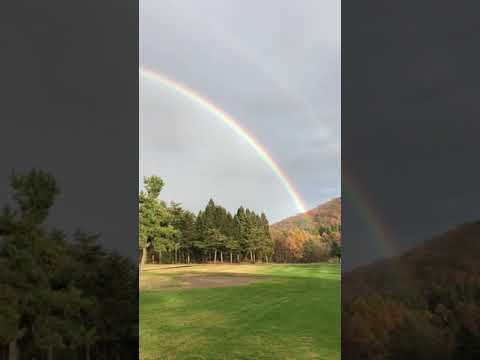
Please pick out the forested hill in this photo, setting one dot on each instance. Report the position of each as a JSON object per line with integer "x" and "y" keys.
{"x": 311, "y": 236}
{"x": 327, "y": 214}
{"x": 422, "y": 304}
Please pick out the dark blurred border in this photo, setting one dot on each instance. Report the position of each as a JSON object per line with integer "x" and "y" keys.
{"x": 410, "y": 194}
{"x": 69, "y": 107}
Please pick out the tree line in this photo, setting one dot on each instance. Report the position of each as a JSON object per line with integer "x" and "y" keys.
{"x": 170, "y": 234}
{"x": 60, "y": 297}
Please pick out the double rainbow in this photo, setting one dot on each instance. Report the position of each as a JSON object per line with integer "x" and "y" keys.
{"x": 359, "y": 198}
{"x": 231, "y": 122}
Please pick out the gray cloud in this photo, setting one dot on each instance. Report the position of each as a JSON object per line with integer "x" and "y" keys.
{"x": 274, "y": 66}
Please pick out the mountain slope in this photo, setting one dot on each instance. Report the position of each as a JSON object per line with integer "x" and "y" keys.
{"x": 423, "y": 304}
{"x": 327, "y": 214}
{"x": 310, "y": 237}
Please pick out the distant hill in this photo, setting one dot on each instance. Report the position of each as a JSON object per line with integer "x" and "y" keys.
{"x": 310, "y": 237}
{"x": 327, "y": 214}
{"x": 424, "y": 304}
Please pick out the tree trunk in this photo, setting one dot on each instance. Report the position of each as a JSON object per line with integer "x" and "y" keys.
{"x": 175, "y": 259}
{"x": 50, "y": 353}
{"x": 238, "y": 258}
{"x": 221, "y": 257}
{"x": 12, "y": 350}
{"x": 87, "y": 352}
{"x": 188, "y": 258}
{"x": 12, "y": 345}
{"x": 160, "y": 257}
{"x": 215, "y": 257}
{"x": 144, "y": 257}
{"x": 231, "y": 257}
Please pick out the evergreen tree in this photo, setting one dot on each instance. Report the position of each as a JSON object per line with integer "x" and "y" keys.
{"x": 233, "y": 246}
{"x": 267, "y": 242}
{"x": 49, "y": 287}
{"x": 214, "y": 241}
{"x": 187, "y": 234}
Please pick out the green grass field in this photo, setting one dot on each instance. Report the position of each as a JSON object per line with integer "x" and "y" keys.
{"x": 289, "y": 312}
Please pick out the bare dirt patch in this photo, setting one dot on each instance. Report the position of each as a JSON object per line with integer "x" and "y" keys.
{"x": 186, "y": 276}
{"x": 170, "y": 268}
{"x": 155, "y": 282}
{"x": 204, "y": 268}
{"x": 199, "y": 281}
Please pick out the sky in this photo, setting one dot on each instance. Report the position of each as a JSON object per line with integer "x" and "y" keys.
{"x": 274, "y": 66}
{"x": 410, "y": 125}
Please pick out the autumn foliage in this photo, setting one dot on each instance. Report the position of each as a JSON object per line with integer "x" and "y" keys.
{"x": 424, "y": 304}
{"x": 310, "y": 237}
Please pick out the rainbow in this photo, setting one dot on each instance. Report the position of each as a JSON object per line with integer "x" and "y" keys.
{"x": 359, "y": 198}
{"x": 233, "y": 124}
{"x": 386, "y": 244}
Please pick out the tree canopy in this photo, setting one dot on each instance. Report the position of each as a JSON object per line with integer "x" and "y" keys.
{"x": 171, "y": 234}
{"x": 56, "y": 293}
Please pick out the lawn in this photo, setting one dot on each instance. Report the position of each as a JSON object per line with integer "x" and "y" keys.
{"x": 284, "y": 312}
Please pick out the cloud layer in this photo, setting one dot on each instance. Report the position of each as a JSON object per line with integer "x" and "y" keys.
{"x": 275, "y": 67}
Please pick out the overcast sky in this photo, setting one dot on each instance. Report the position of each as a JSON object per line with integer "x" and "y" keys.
{"x": 410, "y": 125}
{"x": 275, "y": 67}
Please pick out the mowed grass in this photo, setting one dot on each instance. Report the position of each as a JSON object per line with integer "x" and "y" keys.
{"x": 291, "y": 312}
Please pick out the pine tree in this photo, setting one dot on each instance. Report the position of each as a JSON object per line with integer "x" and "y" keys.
{"x": 232, "y": 245}
{"x": 214, "y": 241}
{"x": 187, "y": 234}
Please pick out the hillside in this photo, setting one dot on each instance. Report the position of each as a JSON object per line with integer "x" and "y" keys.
{"x": 327, "y": 214}
{"x": 420, "y": 305}
{"x": 309, "y": 237}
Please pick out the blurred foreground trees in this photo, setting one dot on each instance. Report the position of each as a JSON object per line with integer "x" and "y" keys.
{"x": 60, "y": 298}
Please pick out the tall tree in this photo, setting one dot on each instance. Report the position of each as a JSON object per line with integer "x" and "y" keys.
{"x": 154, "y": 219}
{"x": 232, "y": 245}
{"x": 213, "y": 241}
{"x": 186, "y": 226}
